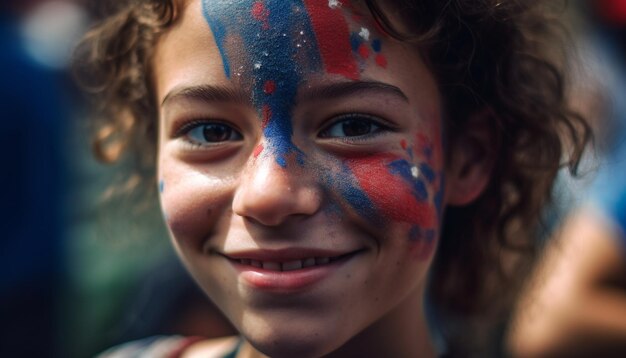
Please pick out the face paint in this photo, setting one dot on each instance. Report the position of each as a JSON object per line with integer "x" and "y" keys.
{"x": 274, "y": 45}
{"x": 387, "y": 180}
{"x": 283, "y": 42}
{"x": 366, "y": 199}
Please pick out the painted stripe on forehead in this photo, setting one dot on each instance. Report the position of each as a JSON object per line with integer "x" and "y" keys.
{"x": 333, "y": 35}
{"x": 218, "y": 28}
{"x": 281, "y": 42}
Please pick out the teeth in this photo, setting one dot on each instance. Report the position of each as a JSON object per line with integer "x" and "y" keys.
{"x": 272, "y": 266}
{"x": 292, "y": 265}
{"x": 322, "y": 260}
{"x": 289, "y": 265}
{"x": 308, "y": 262}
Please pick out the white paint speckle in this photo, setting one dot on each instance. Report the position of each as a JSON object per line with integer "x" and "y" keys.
{"x": 415, "y": 172}
{"x": 301, "y": 32}
{"x": 257, "y": 66}
{"x": 365, "y": 34}
{"x": 333, "y": 4}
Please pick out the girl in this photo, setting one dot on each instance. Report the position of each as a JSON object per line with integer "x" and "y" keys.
{"x": 323, "y": 165}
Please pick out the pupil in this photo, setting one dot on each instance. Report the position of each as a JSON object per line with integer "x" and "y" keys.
{"x": 353, "y": 128}
{"x": 216, "y": 133}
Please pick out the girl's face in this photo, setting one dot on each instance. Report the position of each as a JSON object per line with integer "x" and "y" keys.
{"x": 301, "y": 167}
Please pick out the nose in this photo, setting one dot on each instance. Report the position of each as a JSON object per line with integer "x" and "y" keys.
{"x": 272, "y": 195}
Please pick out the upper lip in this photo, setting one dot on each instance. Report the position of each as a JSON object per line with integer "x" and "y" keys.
{"x": 285, "y": 255}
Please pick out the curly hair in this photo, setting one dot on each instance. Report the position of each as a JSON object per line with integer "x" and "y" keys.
{"x": 499, "y": 56}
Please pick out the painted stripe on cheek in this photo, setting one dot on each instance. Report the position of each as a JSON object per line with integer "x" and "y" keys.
{"x": 392, "y": 194}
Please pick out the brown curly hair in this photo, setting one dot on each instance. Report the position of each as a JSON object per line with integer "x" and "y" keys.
{"x": 503, "y": 56}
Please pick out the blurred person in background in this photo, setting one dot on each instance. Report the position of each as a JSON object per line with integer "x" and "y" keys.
{"x": 34, "y": 109}
{"x": 576, "y": 301}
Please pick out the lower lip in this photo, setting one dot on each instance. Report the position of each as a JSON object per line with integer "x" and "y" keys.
{"x": 287, "y": 281}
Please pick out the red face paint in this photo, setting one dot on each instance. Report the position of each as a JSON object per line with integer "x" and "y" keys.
{"x": 269, "y": 87}
{"x": 333, "y": 37}
{"x": 258, "y": 150}
{"x": 381, "y": 61}
{"x": 260, "y": 13}
{"x": 267, "y": 115}
{"x": 391, "y": 194}
{"x": 364, "y": 51}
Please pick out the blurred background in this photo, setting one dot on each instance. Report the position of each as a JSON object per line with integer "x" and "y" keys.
{"x": 82, "y": 269}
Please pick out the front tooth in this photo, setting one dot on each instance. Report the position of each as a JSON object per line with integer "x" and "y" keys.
{"x": 256, "y": 263}
{"x": 272, "y": 266}
{"x": 309, "y": 262}
{"x": 322, "y": 260}
{"x": 292, "y": 265}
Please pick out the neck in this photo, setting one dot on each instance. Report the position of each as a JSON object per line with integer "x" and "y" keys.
{"x": 403, "y": 332}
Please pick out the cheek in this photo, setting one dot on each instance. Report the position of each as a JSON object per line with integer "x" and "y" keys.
{"x": 192, "y": 204}
{"x": 395, "y": 188}
{"x": 401, "y": 192}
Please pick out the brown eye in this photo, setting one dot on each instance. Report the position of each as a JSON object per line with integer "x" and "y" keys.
{"x": 206, "y": 133}
{"x": 352, "y": 126}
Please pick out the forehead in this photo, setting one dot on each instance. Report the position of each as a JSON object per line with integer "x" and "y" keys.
{"x": 243, "y": 42}
{"x": 308, "y": 34}
{"x": 282, "y": 36}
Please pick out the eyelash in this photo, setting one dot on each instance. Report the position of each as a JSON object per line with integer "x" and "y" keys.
{"x": 185, "y": 130}
{"x": 381, "y": 127}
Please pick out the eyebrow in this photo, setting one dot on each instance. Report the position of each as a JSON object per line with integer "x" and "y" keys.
{"x": 345, "y": 89}
{"x": 206, "y": 93}
{"x": 212, "y": 93}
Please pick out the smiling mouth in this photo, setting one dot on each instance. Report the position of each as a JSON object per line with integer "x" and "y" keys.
{"x": 289, "y": 270}
{"x": 290, "y": 265}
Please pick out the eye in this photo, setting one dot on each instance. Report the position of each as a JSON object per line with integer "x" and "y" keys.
{"x": 353, "y": 125}
{"x": 209, "y": 133}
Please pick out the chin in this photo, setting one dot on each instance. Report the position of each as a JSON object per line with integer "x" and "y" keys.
{"x": 303, "y": 347}
{"x": 289, "y": 340}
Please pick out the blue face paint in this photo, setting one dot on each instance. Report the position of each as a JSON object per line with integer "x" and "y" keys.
{"x": 376, "y": 45}
{"x": 404, "y": 169}
{"x": 270, "y": 47}
{"x": 355, "y": 41}
{"x": 278, "y": 48}
{"x": 351, "y": 193}
{"x": 427, "y": 172}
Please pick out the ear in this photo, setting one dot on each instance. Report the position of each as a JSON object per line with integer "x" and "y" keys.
{"x": 471, "y": 159}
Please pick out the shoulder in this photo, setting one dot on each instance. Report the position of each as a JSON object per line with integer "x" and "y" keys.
{"x": 174, "y": 347}
{"x": 217, "y": 347}
{"x": 153, "y": 347}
